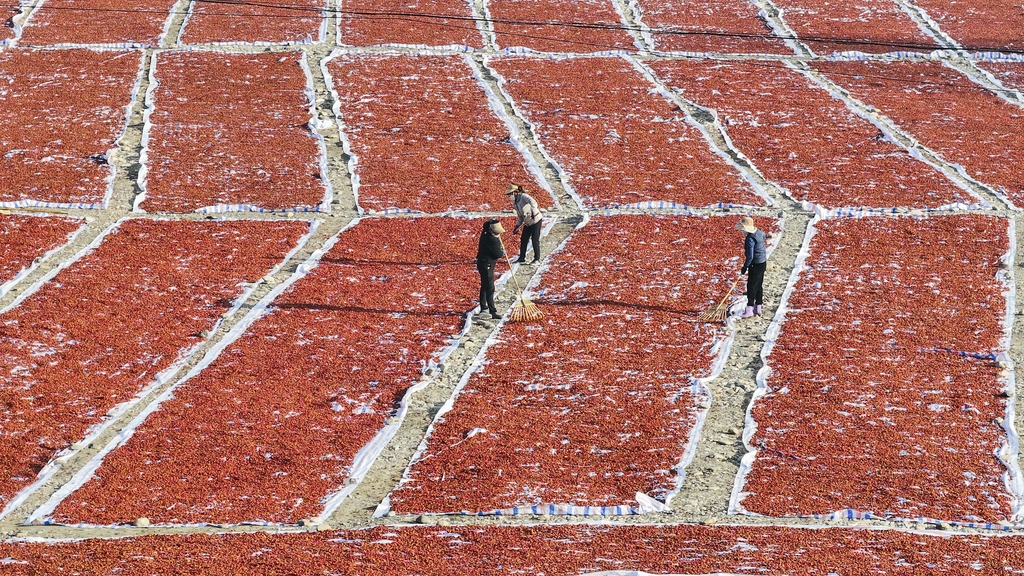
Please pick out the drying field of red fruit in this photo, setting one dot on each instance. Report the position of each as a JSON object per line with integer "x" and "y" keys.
{"x": 597, "y": 25}
{"x": 263, "y": 22}
{"x": 394, "y": 22}
{"x": 26, "y": 239}
{"x": 718, "y": 26}
{"x": 62, "y": 113}
{"x": 435, "y": 143}
{"x": 899, "y": 402}
{"x": 830, "y": 157}
{"x": 89, "y": 341}
{"x": 357, "y": 346}
{"x": 602, "y": 398}
{"x": 587, "y": 111}
{"x": 97, "y": 22}
{"x": 947, "y": 112}
{"x": 872, "y": 26}
{"x": 228, "y": 132}
{"x": 240, "y": 329}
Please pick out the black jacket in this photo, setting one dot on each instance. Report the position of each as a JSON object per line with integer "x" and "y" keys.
{"x": 490, "y": 249}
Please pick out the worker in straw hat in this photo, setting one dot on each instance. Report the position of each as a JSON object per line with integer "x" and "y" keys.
{"x": 529, "y": 218}
{"x": 487, "y": 256}
{"x": 754, "y": 264}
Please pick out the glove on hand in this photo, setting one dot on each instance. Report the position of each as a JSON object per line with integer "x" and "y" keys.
{"x": 744, "y": 270}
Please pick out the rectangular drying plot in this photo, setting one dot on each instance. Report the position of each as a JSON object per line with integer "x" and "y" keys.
{"x": 986, "y": 26}
{"x": 400, "y": 22}
{"x": 883, "y": 377}
{"x": 1009, "y": 74}
{"x": 599, "y": 400}
{"x": 806, "y": 140}
{"x": 707, "y": 26}
{"x": 557, "y": 550}
{"x": 25, "y": 240}
{"x": 426, "y": 135}
{"x": 300, "y": 395}
{"x": 61, "y": 115}
{"x": 229, "y": 132}
{"x": 98, "y": 22}
{"x": 578, "y": 26}
{"x": 617, "y": 139}
{"x": 947, "y": 112}
{"x": 871, "y": 26}
{"x": 113, "y": 321}
{"x": 263, "y": 22}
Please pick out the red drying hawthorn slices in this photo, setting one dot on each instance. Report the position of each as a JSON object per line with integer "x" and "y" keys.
{"x": 599, "y": 25}
{"x": 95, "y": 335}
{"x": 443, "y": 23}
{"x": 985, "y": 26}
{"x": 231, "y": 129}
{"x": 264, "y": 21}
{"x": 947, "y": 112}
{"x": 97, "y": 22}
{"x": 708, "y": 26}
{"x": 270, "y": 429}
{"x": 874, "y": 380}
{"x": 619, "y": 140}
{"x": 594, "y": 402}
{"x": 57, "y": 153}
{"x": 830, "y": 157}
{"x": 24, "y": 238}
{"x": 560, "y": 550}
{"x": 424, "y": 136}
{"x": 872, "y": 26}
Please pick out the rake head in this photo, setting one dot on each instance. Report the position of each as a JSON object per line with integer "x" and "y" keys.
{"x": 525, "y": 311}
{"x": 717, "y": 314}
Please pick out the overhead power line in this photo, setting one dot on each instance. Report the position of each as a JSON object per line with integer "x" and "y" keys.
{"x": 448, "y": 20}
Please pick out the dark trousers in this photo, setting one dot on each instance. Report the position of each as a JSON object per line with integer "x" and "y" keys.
{"x": 530, "y": 233}
{"x": 486, "y": 270}
{"x": 755, "y": 284}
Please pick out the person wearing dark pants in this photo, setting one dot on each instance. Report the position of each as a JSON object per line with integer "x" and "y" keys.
{"x": 528, "y": 217}
{"x": 754, "y": 264}
{"x": 487, "y": 255}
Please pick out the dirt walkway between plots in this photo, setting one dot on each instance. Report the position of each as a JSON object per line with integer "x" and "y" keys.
{"x": 709, "y": 482}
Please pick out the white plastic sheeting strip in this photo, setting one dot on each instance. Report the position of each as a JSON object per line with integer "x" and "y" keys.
{"x": 159, "y": 379}
{"x": 6, "y": 286}
{"x": 1007, "y": 454}
{"x": 645, "y": 503}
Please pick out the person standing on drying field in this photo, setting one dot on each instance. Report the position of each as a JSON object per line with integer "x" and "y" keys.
{"x": 487, "y": 256}
{"x": 529, "y": 218}
{"x": 755, "y": 262}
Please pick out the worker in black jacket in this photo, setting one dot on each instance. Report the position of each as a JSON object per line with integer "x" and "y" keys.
{"x": 487, "y": 256}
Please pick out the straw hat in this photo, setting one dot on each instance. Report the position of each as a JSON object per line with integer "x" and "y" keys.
{"x": 497, "y": 228}
{"x": 747, "y": 225}
{"x": 513, "y": 188}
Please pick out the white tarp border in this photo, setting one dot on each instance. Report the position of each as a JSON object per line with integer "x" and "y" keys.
{"x": 150, "y": 105}
{"x": 159, "y": 379}
{"x": 698, "y": 386}
{"x": 83, "y": 224}
{"x": 1007, "y": 453}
